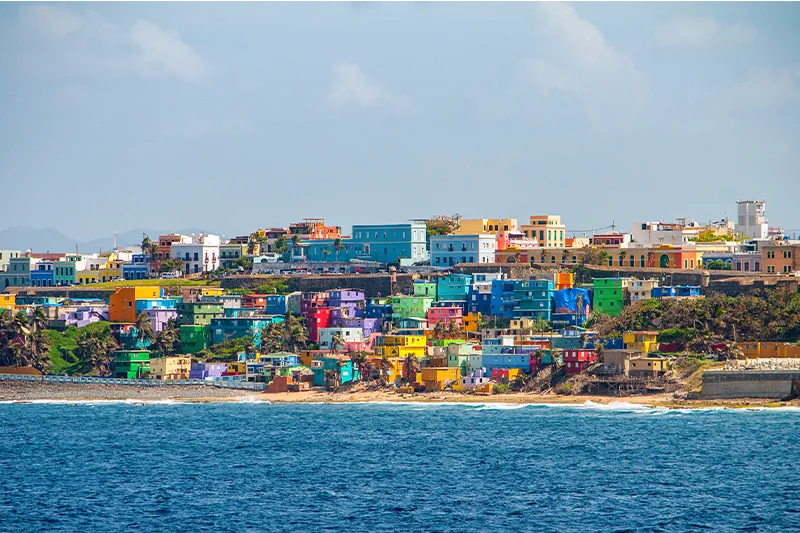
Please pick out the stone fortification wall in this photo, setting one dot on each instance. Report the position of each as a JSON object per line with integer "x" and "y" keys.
{"x": 777, "y": 384}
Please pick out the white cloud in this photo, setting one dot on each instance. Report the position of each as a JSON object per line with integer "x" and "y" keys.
{"x": 768, "y": 88}
{"x": 575, "y": 59}
{"x": 164, "y": 53}
{"x": 351, "y": 85}
{"x": 57, "y": 42}
{"x": 703, "y": 32}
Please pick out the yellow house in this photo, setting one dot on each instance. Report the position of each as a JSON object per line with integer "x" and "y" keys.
{"x": 436, "y": 378}
{"x": 644, "y": 341}
{"x": 477, "y": 226}
{"x": 755, "y": 350}
{"x": 470, "y": 322}
{"x": 400, "y": 346}
{"x": 177, "y": 367}
{"x": 547, "y": 229}
{"x": 85, "y": 277}
{"x": 646, "y": 366}
{"x": 8, "y": 301}
{"x": 237, "y": 366}
{"x": 212, "y": 291}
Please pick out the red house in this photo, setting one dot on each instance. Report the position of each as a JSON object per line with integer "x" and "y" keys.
{"x": 446, "y": 315}
{"x": 254, "y": 301}
{"x": 316, "y": 318}
{"x": 576, "y": 361}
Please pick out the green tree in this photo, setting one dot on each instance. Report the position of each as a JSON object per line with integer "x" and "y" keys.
{"x": 411, "y": 368}
{"x": 337, "y": 247}
{"x": 167, "y": 339}
{"x": 38, "y": 320}
{"x": 359, "y": 360}
{"x": 95, "y": 350}
{"x": 144, "y": 329}
{"x": 32, "y": 349}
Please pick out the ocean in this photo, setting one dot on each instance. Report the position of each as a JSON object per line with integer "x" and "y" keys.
{"x": 247, "y": 467}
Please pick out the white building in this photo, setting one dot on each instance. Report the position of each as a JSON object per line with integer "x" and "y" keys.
{"x": 752, "y": 219}
{"x": 348, "y": 335}
{"x": 646, "y": 234}
{"x": 200, "y": 254}
{"x": 448, "y": 250}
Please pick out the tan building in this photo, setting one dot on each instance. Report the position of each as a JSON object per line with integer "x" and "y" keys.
{"x": 642, "y": 289}
{"x": 477, "y": 226}
{"x": 780, "y": 258}
{"x": 647, "y": 366}
{"x": 547, "y": 229}
{"x": 177, "y": 367}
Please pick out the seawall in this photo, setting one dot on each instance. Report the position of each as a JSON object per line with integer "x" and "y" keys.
{"x": 777, "y": 384}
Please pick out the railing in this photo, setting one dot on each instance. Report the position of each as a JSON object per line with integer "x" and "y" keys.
{"x": 227, "y": 384}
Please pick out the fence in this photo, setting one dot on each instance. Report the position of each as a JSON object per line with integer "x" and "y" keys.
{"x": 227, "y": 384}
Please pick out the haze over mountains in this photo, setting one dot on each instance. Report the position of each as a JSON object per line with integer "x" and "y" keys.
{"x": 52, "y": 240}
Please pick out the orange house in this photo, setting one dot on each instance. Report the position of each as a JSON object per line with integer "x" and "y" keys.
{"x": 122, "y": 304}
{"x": 780, "y": 258}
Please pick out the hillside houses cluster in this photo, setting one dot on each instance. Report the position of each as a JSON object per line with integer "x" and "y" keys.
{"x": 746, "y": 244}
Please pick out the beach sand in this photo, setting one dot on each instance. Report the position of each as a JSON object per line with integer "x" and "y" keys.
{"x": 36, "y": 391}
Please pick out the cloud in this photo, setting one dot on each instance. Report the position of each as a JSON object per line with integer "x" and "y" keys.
{"x": 703, "y": 32}
{"x": 351, "y": 86}
{"x": 767, "y": 88}
{"x": 576, "y": 60}
{"x": 164, "y": 53}
{"x": 54, "y": 41}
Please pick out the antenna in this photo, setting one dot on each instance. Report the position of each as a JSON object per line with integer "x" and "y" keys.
{"x": 115, "y": 240}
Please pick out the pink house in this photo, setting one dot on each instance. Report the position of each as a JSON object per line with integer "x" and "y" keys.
{"x": 576, "y": 361}
{"x": 446, "y": 315}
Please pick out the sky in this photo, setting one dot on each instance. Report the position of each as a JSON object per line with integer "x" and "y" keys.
{"x": 231, "y": 117}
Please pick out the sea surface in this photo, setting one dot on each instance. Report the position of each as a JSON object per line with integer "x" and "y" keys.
{"x": 247, "y": 467}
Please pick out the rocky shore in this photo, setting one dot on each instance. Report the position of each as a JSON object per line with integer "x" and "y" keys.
{"x": 22, "y": 391}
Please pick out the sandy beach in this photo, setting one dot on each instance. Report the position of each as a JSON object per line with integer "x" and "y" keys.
{"x": 12, "y": 391}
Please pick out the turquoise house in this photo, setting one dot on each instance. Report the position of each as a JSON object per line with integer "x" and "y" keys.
{"x": 454, "y": 288}
{"x": 223, "y": 329}
{"x": 346, "y": 371}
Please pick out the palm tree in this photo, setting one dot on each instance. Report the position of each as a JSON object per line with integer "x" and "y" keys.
{"x": 385, "y": 367}
{"x": 359, "y": 360}
{"x": 295, "y": 242}
{"x": 337, "y": 247}
{"x": 96, "y": 350}
{"x": 7, "y": 334}
{"x": 147, "y": 246}
{"x": 33, "y": 350}
{"x": 144, "y": 330}
{"x": 167, "y": 338}
{"x": 20, "y": 324}
{"x": 440, "y": 330}
{"x": 326, "y": 253}
{"x": 453, "y": 330}
{"x": 411, "y": 366}
{"x": 38, "y": 320}
{"x": 622, "y": 255}
{"x": 336, "y": 341}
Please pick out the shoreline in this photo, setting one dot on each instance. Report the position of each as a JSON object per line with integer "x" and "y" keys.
{"x": 61, "y": 393}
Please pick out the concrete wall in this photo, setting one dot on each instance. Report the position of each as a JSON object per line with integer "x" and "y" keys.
{"x": 371, "y": 284}
{"x": 777, "y": 384}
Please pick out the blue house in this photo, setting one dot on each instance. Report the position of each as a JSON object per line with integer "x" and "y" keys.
{"x": 453, "y": 288}
{"x": 314, "y": 250}
{"x": 275, "y": 304}
{"x": 480, "y": 299}
{"x": 390, "y": 243}
{"x": 43, "y": 275}
{"x": 346, "y": 371}
{"x": 521, "y": 361}
{"x": 503, "y": 298}
{"x": 136, "y": 268}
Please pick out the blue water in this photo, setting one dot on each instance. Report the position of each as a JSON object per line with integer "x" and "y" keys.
{"x": 251, "y": 467}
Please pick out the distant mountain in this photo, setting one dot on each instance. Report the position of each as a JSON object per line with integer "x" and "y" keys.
{"x": 52, "y": 240}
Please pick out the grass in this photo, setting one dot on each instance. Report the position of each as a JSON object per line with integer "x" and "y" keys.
{"x": 63, "y": 345}
{"x": 152, "y": 283}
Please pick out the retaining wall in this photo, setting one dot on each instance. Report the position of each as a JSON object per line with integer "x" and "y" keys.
{"x": 777, "y": 384}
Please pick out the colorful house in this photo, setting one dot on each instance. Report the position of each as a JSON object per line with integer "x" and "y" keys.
{"x": 577, "y": 360}
{"x": 207, "y": 370}
{"x": 127, "y": 335}
{"x": 122, "y": 304}
{"x": 409, "y": 306}
{"x": 8, "y": 301}
{"x": 170, "y": 368}
{"x": 223, "y": 329}
{"x": 400, "y": 346}
{"x": 194, "y": 337}
{"x": 199, "y": 313}
{"x": 316, "y": 319}
{"x": 643, "y": 341}
{"x": 502, "y": 298}
{"x": 425, "y": 288}
{"x": 533, "y": 299}
{"x": 437, "y": 378}
{"x": 343, "y": 366}
{"x": 610, "y": 295}
{"x": 447, "y": 314}
{"x": 454, "y": 287}
{"x": 390, "y": 243}
{"x": 131, "y": 364}
{"x": 449, "y": 250}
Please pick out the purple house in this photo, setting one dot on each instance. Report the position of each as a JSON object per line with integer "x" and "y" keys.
{"x": 160, "y": 317}
{"x": 345, "y": 317}
{"x": 207, "y": 370}
{"x": 83, "y": 316}
{"x": 348, "y": 298}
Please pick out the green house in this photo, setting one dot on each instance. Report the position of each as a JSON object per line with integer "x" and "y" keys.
{"x": 194, "y": 337}
{"x": 425, "y": 288}
{"x": 410, "y": 306}
{"x": 131, "y": 364}
{"x": 198, "y": 313}
{"x": 609, "y": 295}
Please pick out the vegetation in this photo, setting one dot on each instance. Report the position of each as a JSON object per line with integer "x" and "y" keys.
{"x": 700, "y": 322}
{"x": 227, "y": 350}
{"x": 717, "y": 264}
{"x": 167, "y": 342}
{"x": 288, "y": 336}
{"x": 274, "y": 286}
{"x": 94, "y": 350}
{"x": 710, "y": 236}
{"x": 155, "y": 282}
